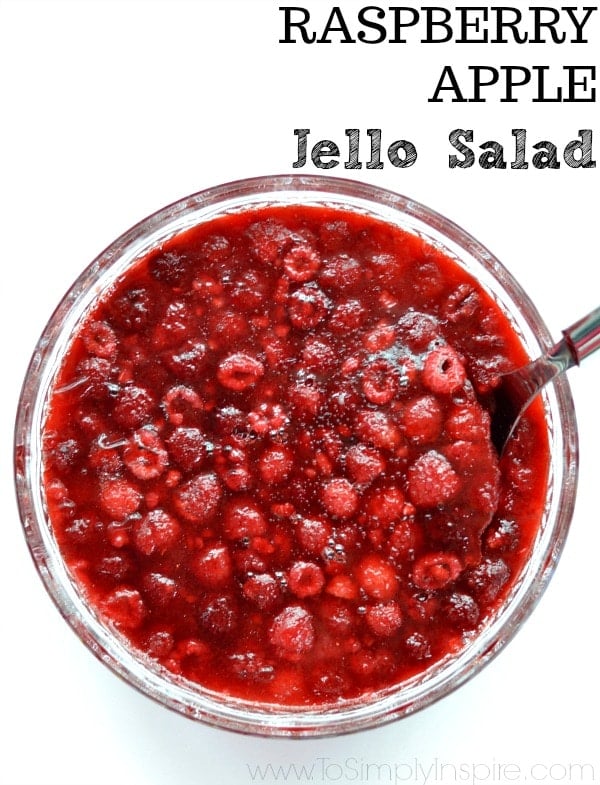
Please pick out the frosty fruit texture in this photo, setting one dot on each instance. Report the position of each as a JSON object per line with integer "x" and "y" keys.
{"x": 267, "y": 456}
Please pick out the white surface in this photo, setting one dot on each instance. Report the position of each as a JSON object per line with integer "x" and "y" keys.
{"x": 111, "y": 110}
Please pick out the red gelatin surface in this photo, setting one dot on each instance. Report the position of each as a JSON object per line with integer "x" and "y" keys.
{"x": 267, "y": 456}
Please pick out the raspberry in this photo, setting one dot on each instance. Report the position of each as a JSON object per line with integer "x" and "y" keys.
{"x": 417, "y": 330}
{"x": 104, "y": 456}
{"x": 380, "y": 338}
{"x": 318, "y": 355}
{"x": 275, "y": 464}
{"x": 263, "y": 590}
{"x": 422, "y": 419}
{"x": 243, "y": 519}
{"x": 307, "y": 307}
{"x": 145, "y": 455}
{"x": 213, "y": 566}
{"x": 93, "y": 374}
{"x": 364, "y": 463}
{"x": 160, "y": 589}
{"x": 219, "y": 615}
{"x": 339, "y": 497}
{"x": 268, "y": 418}
{"x": 347, "y": 316}
{"x": 133, "y": 407}
{"x": 189, "y": 362}
{"x": 341, "y": 272}
{"x": 444, "y": 371}
{"x": 301, "y": 264}
{"x": 386, "y": 505}
{"x": 188, "y": 448}
{"x": 502, "y": 536}
{"x": 417, "y": 647}
{"x": 313, "y": 534}
{"x": 432, "y": 480}
{"x": 239, "y": 371}
{"x": 156, "y": 532}
{"x": 116, "y": 567}
{"x": 436, "y": 570}
{"x": 292, "y": 633}
{"x": 250, "y": 666}
{"x": 305, "y": 579}
{"x": 487, "y": 580}
{"x": 250, "y": 291}
{"x": 377, "y": 429}
{"x": 170, "y": 268}
{"x": 268, "y": 240}
{"x": 462, "y": 611}
{"x": 132, "y": 310}
{"x": 469, "y": 422}
{"x": 305, "y": 399}
{"x": 384, "y": 619}
{"x": 100, "y": 340}
{"x": 462, "y": 304}
{"x": 343, "y": 587}
{"x": 181, "y": 403}
{"x": 379, "y": 384}
{"x": 173, "y": 325}
{"x": 228, "y": 328}
{"x": 64, "y": 454}
{"x": 119, "y": 498}
{"x": 197, "y": 500}
{"x": 404, "y": 538}
{"x": 124, "y": 607}
{"x": 160, "y": 643}
{"x": 377, "y": 577}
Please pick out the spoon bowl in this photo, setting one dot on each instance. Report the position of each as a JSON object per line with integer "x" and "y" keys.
{"x": 520, "y": 387}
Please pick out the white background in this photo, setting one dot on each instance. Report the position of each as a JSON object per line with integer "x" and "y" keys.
{"x": 110, "y": 110}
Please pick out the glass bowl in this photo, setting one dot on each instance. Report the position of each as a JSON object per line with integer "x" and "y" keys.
{"x": 142, "y": 672}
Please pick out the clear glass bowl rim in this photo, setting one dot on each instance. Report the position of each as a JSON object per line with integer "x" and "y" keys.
{"x": 223, "y": 711}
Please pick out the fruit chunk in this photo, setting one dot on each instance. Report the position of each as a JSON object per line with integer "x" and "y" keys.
{"x": 292, "y": 633}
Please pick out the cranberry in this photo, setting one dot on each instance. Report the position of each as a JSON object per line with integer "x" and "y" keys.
{"x": 292, "y": 633}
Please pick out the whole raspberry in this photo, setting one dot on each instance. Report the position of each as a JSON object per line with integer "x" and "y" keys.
{"x": 339, "y": 497}
{"x": 377, "y": 577}
{"x": 197, "y": 500}
{"x": 292, "y": 633}
{"x": 155, "y": 532}
{"x": 444, "y": 371}
{"x": 432, "y": 480}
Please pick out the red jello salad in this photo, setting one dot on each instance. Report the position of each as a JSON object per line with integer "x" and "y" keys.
{"x": 267, "y": 456}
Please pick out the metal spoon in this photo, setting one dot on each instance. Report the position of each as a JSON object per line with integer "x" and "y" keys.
{"x": 518, "y": 388}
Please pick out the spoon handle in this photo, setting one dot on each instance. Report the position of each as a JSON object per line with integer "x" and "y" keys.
{"x": 583, "y": 337}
